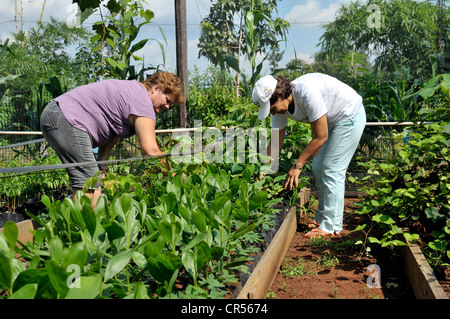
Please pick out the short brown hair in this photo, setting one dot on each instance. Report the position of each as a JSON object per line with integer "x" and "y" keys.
{"x": 168, "y": 82}
{"x": 282, "y": 90}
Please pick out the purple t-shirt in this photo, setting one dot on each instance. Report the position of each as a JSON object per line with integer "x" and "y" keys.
{"x": 102, "y": 109}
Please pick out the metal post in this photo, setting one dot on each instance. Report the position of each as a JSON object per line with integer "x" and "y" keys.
{"x": 182, "y": 66}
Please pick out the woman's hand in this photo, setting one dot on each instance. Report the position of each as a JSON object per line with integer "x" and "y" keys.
{"x": 292, "y": 178}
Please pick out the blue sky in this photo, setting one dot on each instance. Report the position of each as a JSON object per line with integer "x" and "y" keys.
{"x": 305, "y": 17}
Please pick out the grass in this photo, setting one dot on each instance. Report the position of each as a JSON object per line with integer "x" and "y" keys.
{"x": 295, "y": 268}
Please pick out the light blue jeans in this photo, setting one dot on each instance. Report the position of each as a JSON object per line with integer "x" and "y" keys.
{"x": 330, "y": 168}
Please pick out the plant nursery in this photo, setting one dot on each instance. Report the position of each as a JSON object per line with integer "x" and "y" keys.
{"x": 209, "y": 215}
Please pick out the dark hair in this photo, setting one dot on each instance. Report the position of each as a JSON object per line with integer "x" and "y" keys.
{"x": 282, "y": 90}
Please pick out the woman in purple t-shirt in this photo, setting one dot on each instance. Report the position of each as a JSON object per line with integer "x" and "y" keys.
{"x": 98, "y": 114}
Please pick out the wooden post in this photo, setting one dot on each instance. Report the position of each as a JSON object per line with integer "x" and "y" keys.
{"x": 182, "y": 67}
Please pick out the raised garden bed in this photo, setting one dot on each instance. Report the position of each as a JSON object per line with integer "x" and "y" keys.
{"x": 401, "y": 278}
{"x": 409, "y": 277}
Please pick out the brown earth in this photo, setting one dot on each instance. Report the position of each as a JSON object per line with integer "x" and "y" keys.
{"x": 334, "y": 268}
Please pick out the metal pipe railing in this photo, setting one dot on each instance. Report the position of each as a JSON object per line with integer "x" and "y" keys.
{"x": 165, "y": 131}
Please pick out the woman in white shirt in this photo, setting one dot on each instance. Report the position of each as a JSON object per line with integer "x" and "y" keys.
{"x": 337, "y": 117}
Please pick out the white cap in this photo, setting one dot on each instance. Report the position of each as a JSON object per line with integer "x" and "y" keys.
{"x": 262, "y": 92}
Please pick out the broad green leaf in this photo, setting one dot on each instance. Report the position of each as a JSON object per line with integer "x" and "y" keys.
{"x": 89, "y": 218}
{"x": 3, "y": 244}
{"x": 140, "y": 291}
{"x": 235, "y": 263}
{"x": 78, "y": 254}
{"x": 184, "y": 212}
{"x": 199, "y": 220}
{"x": 438, "y": 245}
{"x": 385, "y": 219}
{"x": 11, "y": 233}
{"x": 220, "y": 201}
{"x": 203, "y": 255}
{"x": 58, "y": 277}
{"x": 111, "y": 43}
{"x": 243, "y": 230}
{"x": 138, "y": 45}
{"x": 164, "y": 266}
{"x": 394, "y": 242}
{"x": 27, "y": 291}
{"x": 260, "y": 197}
{"x": 170, "y": 231}
{"x": 373, "y": 240}
{"x": 232, "y": 62}
{"x": 194, "y": 242}
{"x": 147, "y": 14}
{"x": 5, "y": 273}
{"x": 153, "y": 248}
{"x": 117, "y": 263}
{"x": 359, "y": 227}
{"x": 217, "y": 252}
{"x": 89, "y": 288}
{"x": 427, "y": 92}
{"x": 170, "y": 202}
{"x": 139, "y": 259}
{"x": 114, "y": 230}
{"x": 111, "y": 62}
{"x": 188, "y": 260}
{"x": 38, "y": 276}
{"x": 75, "y": 212}
{"x": 411, "y": 237}
{"x": 46, "y": 201}
{"x": 56, "y": 249}
{"x": 433, "y": 213}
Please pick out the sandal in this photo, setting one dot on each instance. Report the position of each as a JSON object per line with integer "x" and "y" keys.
{"x": 316, "y": 232}
{"x": 313, "y": 225}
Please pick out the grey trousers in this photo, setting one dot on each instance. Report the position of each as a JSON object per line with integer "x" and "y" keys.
{"x": 71, "y": 144}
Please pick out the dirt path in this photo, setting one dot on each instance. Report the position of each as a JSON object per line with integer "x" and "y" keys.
{"x": 329, "y": 269}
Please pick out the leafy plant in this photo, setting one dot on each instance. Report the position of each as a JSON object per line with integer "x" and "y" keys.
{"x": 253, "y": 36}
{"x": 146, "y": 234}
{"x": 117, "y": 32}
{"x": 376, "y": 28}
{"x": 411, "y": 190}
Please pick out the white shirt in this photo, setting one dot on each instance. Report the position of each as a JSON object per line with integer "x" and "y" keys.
{"x": 317, "y": 94}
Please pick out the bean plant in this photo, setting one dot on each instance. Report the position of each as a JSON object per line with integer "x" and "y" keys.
{"x": 409, "y": 197}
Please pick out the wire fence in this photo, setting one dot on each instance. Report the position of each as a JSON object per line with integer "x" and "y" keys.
{"x": 377, "y": 142}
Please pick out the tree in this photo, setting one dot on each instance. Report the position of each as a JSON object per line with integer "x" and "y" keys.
{"x": 116, "y": 35}
{"x": 223, "y": 33}
{"x": 241, "y": 28}
{"x": 395, "y": 33}
{"x": 296, "y": 68}
{"x": 43, "y": 52}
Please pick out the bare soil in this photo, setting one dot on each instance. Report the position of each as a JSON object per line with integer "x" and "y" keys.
{"x": 334, "y": 269}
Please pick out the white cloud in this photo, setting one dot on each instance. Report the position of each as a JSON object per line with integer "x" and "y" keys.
{"x": 305, "y": 57}
{"x": 312, "y": 13}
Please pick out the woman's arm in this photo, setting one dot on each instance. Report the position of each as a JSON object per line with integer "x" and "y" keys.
{"x": 103, "y": 154}
{"x": 320, "y": 135}
{"x": 145, "y": 132}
